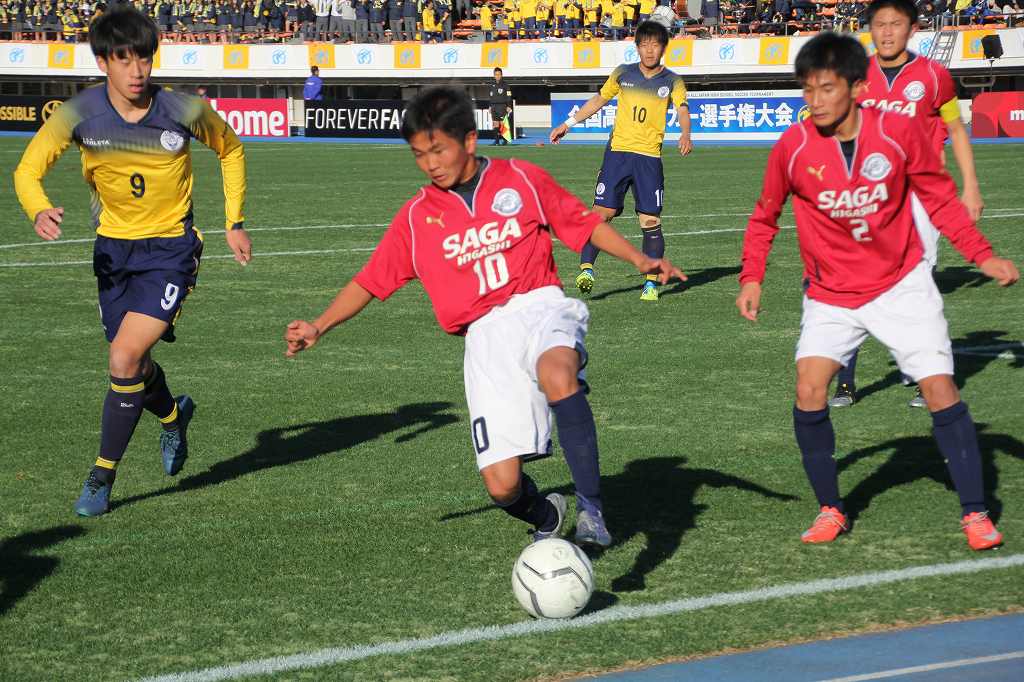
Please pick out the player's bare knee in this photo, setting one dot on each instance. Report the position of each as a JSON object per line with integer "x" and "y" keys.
{"x": 504, "y": 489}
{"x": 649, "y": 223}
{"x": 939, "y": 392}
{"x": 557, "y": 378}
{"x": 810, "y": 395}
{"x": 126, "y": 362}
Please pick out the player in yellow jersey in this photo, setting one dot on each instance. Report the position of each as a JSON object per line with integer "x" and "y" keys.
{"x": 487, "y": 21}
{"x": 633, "y": 156}
{"x": 134, "y": 142}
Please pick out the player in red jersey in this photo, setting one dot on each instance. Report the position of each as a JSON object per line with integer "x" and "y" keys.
{"x": 479, "y": 239}
{"x": 911, "y": 85}
{"x": 850, "y": 172}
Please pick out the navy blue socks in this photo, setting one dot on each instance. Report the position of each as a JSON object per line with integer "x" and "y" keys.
{"x": 531, "y": 507}
{"x": 577, "y": 435}
{"x": 958, "y": 442}
{"x": 817, "y": 443}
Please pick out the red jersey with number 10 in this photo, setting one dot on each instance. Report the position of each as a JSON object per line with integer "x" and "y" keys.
{"x": 471, "y": 258}
{"x": 856, "y": 230}
{"x": 922, "y": 90}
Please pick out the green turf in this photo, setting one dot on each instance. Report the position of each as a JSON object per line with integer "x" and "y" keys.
{"x": 332, "y": 500}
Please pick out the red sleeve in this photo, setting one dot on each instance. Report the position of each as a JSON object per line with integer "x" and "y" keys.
{"x": 937, "y": 192}
{"x": 390, "y": 267}
{"x": 946, "y": 90}
{"x": 571, "y": 221}
{"x": 763, "y": 224}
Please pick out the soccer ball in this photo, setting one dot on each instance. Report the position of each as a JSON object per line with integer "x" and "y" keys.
{"x": 553, "y": 578}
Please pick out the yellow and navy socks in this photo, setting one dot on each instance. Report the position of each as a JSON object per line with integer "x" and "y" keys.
{"x": 105, "y": 469}
{"x": 588, "y": 256}
{"x": 158, "y": 399}
{"x": 121, "y": 411}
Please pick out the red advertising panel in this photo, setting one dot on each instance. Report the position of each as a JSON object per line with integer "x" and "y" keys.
{"x": 254, "y": 117}
{"x": 998, "y": 114}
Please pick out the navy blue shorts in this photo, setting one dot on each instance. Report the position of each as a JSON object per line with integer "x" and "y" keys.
{"x": 147, "y": 276}
{"x": 622, "y": 170}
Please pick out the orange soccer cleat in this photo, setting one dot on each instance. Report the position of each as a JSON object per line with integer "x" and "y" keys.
{"x": 826, "y": 527}
{"x": 980, "y": 531}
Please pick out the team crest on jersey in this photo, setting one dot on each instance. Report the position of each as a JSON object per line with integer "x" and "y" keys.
{"x": 663, "y": 91}
{"x": 914, "y": 91}
{"x": 875, "y": 167}
{"x": 507, "y": 202}
{"x": 600, "y": 189}
{"x": 172, "y": 141}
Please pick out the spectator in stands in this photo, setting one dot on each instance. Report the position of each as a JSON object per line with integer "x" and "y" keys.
{"x": 164, "y": 20}
{"x": 429, "y": 25}
{"x": 618, "y": 22}
{"x": 224, "y": 16}
{"x": 378, "y": 12}
{"x": 16, "y": 15}
{"x": 410, "y": 9}
{"x": 291, "y": 18}
{"x": 710, "y": 15}
{"x": 362, "y": 8}
{"x": 348, "y": 21}
{"x": 543, "y": 12}
{"x": 307, "y": 20}
{"x": 250, "y": 22}
{"x": 443, "y": 8}
{"x": 335, "y": 30}
{"x": 644, "y": 10}
{"x": 322, "y": 9}
{"x": 464, "y": 9}
{"x": 486, "y": 21}
{"x": 395, "y": 8}
{"x": 528, "y": 12}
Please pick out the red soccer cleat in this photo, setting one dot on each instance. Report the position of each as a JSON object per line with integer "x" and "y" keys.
{"x": 826, "y": 527}
{"x": 980, "y": 531}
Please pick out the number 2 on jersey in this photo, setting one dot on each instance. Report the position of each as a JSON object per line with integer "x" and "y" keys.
{"x": 860, "y": 230}
{"x": 492, "y": 272}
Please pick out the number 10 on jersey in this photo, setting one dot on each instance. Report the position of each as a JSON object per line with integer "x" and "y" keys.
{"x": 491, "y": 272}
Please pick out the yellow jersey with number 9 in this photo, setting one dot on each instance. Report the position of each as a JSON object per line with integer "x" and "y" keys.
{"x": 140, "y": 173}
{"x": 642, "y": 107}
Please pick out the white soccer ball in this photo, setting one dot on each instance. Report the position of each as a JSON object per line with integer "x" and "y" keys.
{"x": 553, "y": 578}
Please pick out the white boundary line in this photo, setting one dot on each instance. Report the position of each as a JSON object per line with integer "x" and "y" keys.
{"x": 897, "y": 672}
{"x": 333, "y": 656}
{"x": 287, "y": 228}
{"x": 258, "y": 255}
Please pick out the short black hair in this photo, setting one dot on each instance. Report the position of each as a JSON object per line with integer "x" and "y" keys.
{"x": 905, "y": 7}
{"x": 652, "y": 29}
{"x": 832, "y": 52}
{"x": 442, "y": 108}
{"x": 314, "y": 69}
{"x": 121, "y": 31}
{"x": 497, "y": 69}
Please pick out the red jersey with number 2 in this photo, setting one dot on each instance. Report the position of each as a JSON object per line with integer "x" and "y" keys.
{"x": 471, "y": 258}
{"x": 856, "y": 230}
{"x": 919, "y": 91}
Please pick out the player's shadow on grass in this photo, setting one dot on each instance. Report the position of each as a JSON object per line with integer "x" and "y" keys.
{"x": 952, "y": 278}
{"x": 302, "y": 442}
{"x": 21, "y": 570}
{"x": 653, "y": 497}
{"x": 915, "y": 457}
{"x": 971, "y": 354}
{"x": 696, "y": 279}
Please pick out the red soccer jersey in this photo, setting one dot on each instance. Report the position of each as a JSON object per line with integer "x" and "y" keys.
{"x": 473, "y": 258}
{"x": 856, "y": 230}
{"x": 920, "y": 90}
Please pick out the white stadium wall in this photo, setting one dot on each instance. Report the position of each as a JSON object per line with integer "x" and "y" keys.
{"x": 739, "y": 57}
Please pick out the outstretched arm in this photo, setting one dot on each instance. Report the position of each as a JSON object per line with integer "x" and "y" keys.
{"x": 589, "y": 108}
{"x": 607, "y": 238}
{"x": 349, "y": 302}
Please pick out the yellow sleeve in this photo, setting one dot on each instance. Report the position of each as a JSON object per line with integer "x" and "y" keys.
{"x": 611, "y": 86}
{"x": 42, "y": 152}
{"x": 950, "y": 111}
{"x": 679, "y": 93}
{"x": 215, "y": 133}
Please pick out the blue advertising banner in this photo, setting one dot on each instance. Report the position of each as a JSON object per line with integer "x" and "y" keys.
{"x": 722, "y": 116}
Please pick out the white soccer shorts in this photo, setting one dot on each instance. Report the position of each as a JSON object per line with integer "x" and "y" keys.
{"x": 907, "y": 319}
{"x": 926, "y": 231}
{"x": 509, "y": 414}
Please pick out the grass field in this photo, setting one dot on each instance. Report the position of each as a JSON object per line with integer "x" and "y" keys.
{"x": 333, "y": 500}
